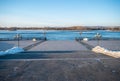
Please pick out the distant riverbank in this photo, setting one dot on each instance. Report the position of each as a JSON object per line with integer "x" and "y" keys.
{"x": 115, "y": 28}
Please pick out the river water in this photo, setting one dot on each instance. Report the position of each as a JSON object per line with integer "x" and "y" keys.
{"x": 59, "y": 34}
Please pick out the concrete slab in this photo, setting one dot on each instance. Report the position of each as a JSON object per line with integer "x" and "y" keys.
{"x": 4, "y": 45}
{"x": 108, "y": 44}
{"x": 59, "y": 46}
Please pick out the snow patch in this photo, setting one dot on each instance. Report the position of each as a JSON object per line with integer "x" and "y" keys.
{"x": 102, "y": 50}
{"x": 12, "y": 51}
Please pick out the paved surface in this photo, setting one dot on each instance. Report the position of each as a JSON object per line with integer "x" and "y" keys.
{"x": 60, "y": 70}
{"x": 54, "y": 55}
{"x": 4, "y": 45}
{"x": 33, "y": 45}
{"x": 59, "y": 61}
{"x": 49, "y": 59}
{"x": 108, "y": 44}
{"x": 59, "y": 46}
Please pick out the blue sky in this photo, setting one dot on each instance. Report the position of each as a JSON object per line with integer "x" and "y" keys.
{"x": 39, "y": 13}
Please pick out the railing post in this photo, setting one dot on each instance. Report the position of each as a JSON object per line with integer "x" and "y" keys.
{"x": 18, "y": 36}
{"x": 98, "y": 36}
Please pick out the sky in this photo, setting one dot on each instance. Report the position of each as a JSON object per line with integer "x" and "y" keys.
{"x": 59, "y": 13}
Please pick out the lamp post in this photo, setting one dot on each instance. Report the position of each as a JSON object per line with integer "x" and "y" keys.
{"x": 81, "y": 35}
{"x": 18, "y": 36}
{"x": 98, "y": 36}
{"x": 44, "y": 34}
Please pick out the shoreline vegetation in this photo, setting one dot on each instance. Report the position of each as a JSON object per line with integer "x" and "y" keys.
{"x": 115, "y": 28}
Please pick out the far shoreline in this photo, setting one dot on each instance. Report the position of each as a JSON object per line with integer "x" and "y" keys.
{"x": 115, "y": 28}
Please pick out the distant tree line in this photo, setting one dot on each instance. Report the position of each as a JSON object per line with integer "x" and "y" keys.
{"x": 117, "y": 28}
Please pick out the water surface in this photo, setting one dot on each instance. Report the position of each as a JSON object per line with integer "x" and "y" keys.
{"x": 59, "y": 34}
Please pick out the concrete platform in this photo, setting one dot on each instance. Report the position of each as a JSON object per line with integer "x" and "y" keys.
{"x": 59, "y": 46}
{"x": 59, "y": 61}
{"x": 60, "y": 70}
{"x": 4, "y": 45}
{"x": 108, "y": 44}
